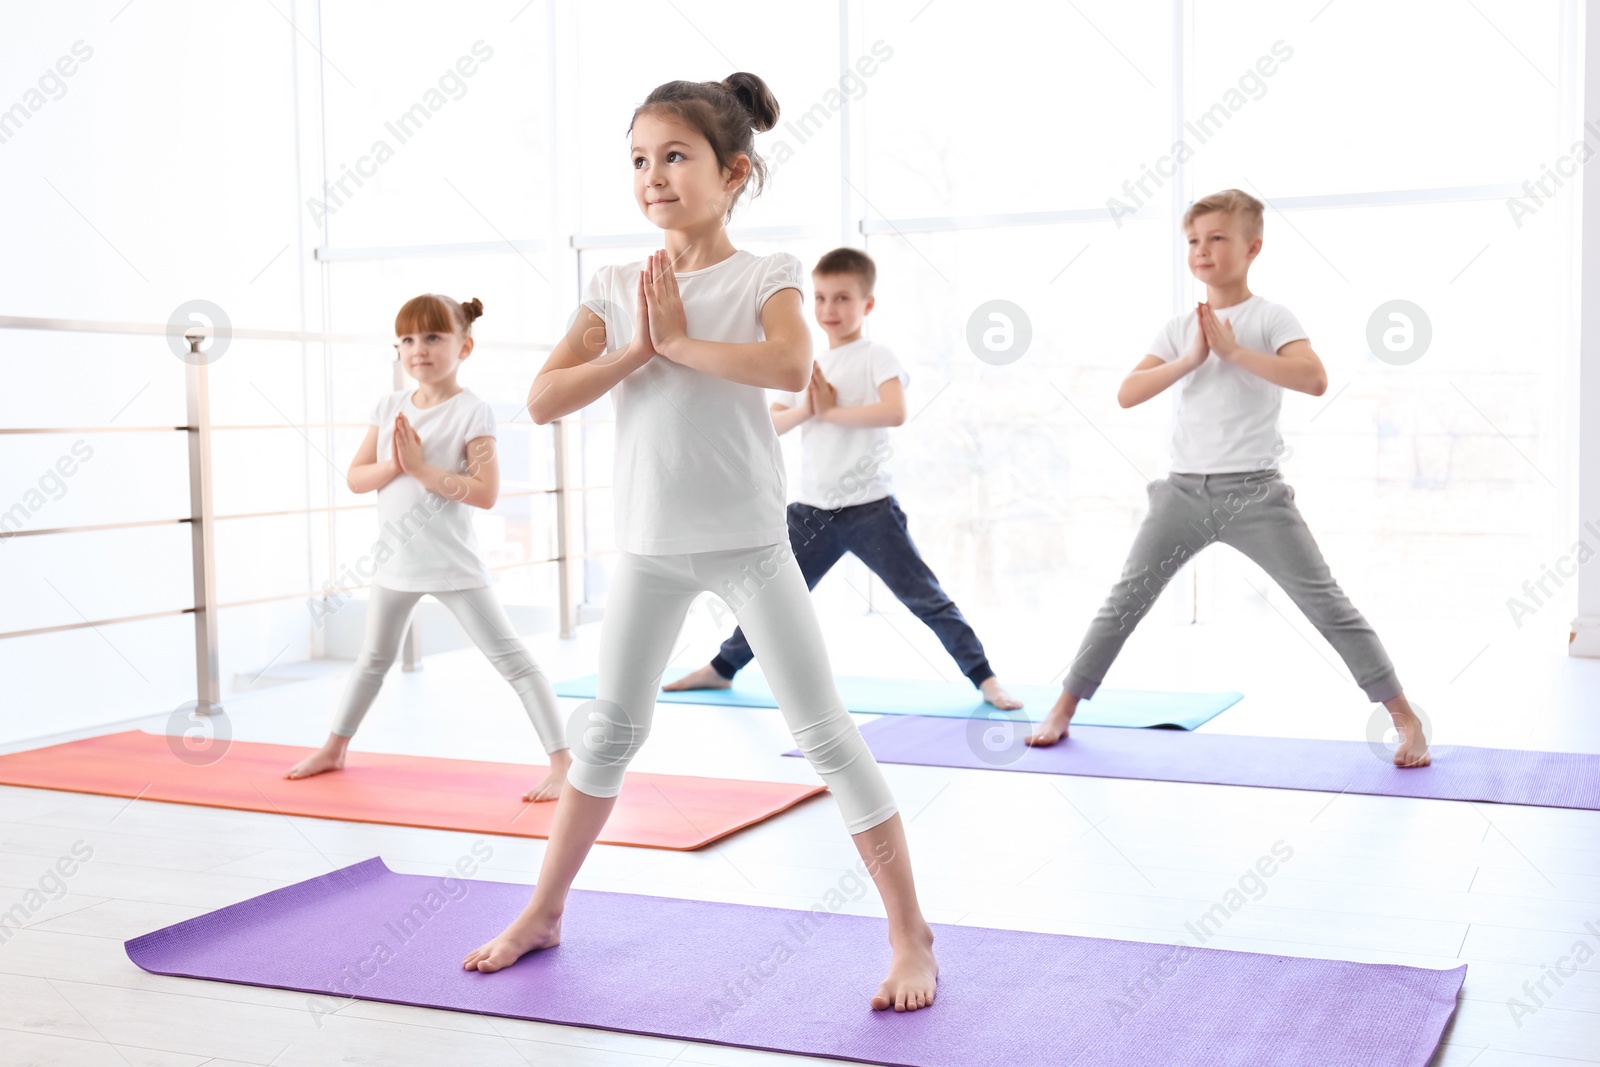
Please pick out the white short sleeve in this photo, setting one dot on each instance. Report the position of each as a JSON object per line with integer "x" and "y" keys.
{"x": 1282, "y": 327}
{"x": 482, "y": 422}
{"x": 615, "y": 310}
{"x": 376, "y": 418}
{"x": 885, "y": 365}
{"x": 783, "y": 271}
{"x": 595, "y": 296}
{"x": 1165, "y": 344}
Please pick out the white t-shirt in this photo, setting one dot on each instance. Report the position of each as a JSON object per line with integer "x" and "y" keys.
{"x": 841, "y": 466}
{"x": 425, "y": 541}
{"x": 1225, "y": 419}
{"x": 698, "y": 466}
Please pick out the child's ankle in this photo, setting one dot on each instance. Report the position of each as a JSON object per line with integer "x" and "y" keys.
{"x": 543, "y": 915}
{"x": 915, "y": 930}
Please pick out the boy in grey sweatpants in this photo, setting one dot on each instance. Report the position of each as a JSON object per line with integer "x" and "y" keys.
{"x": 1230, "y": 362}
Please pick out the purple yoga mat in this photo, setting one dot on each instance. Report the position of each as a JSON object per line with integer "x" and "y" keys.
{"x": 797, "y": 981}
{"x": 1458, "y": 772}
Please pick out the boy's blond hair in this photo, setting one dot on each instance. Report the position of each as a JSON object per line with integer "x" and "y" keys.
{"x": 1229, "y": 202}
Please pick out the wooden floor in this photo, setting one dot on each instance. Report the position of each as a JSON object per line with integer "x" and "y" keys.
{"x": 1506, "y": 890}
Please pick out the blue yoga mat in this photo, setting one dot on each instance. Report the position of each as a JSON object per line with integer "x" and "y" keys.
{"x": 957, "y": 700}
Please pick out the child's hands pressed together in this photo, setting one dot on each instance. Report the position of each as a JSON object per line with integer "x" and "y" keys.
{"x": 407, "y": 445}
{"x": 1218, "y": 333}
{"x": 667, "y": 323}
{"x": 820, "y": 394}
{"x": 803, "y": 403}
{"x": 639, "y": 350}
{"x": 1199, "y": 349}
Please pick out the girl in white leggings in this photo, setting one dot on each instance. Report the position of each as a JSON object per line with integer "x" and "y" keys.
{"x": 438, "y": 461}
{"x": 687, "y": 341}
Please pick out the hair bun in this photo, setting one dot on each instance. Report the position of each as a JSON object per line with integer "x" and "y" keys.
{"x": 471, "y": 309}
{"x": 757, "y": 99}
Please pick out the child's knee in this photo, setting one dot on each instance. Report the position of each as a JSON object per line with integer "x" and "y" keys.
{"x": 604, "y": 738}
{"x": 837, "y": 751}
{"x": 515, "y": 665}
{"x": 832, "y": 742}
{"x": 929, "y": 604}
{"x": 375, "y": 663}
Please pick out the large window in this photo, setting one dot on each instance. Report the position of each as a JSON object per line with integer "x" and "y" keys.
{"x": 308, "y": 166}
{"x": 1039, "y": 167}
{"x": 1025, "y": 482}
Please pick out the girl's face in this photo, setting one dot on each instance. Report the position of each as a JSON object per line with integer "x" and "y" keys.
{"x": 676, "y": 180}
{"x": 432, "y": 357}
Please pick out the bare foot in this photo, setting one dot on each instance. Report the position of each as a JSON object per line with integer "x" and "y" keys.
{"x": 549, "y": 787}
{"x": 913, "y": 974}
{"x": 704, "y": 678}
{"x": 1055, "y": 724}
{"x": 995, "y": 694}
{"x": 1052, "y": 729}
{"x": 320, "y": 760}
{"x": 526, "y": 934}
{"x": 1413, "y": 749}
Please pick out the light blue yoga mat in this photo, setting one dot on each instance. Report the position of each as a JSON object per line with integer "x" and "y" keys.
{"x": 956, "y": 700}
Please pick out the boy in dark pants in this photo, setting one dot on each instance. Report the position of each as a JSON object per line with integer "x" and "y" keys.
{"x": 844, "y": 503}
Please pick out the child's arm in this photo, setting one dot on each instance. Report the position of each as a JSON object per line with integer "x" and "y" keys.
{"x": 479, "y": 486}
{"x": 785, "y": 418}
{"x": 1154, "y": 374}
{"x": 366, "y": 473}
{"x": 1295, "y": 366}
{"x": 573, "y": 378}
{"x": 782, "y": 361}
{"x": 890, "y": 410}
{"x": 1151, "y": 377}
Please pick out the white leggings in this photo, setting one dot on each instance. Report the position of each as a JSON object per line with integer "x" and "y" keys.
{"x": 480, "y": 614}
{"x": 645, "y": 609}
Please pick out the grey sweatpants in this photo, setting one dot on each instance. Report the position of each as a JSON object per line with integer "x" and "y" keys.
{"x": 1253, "y": 511}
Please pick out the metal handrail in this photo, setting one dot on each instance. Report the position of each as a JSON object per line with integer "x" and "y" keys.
{"x": 214, "y": 426}
{"x": 198, "y": 429}
{"x": 174, "y": 612}
{"x": 251, "y": 426}
{"x": 94, "y": 429}
{"x": 88, "y": 528}
{"x": 238, "y": 333}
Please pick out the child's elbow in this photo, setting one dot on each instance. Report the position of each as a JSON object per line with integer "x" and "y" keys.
{"x": 799, "y": 374}
{"x": 538, "y": 407}
{"x": 540, "y": 412}
{"x": 1319, "y": 385}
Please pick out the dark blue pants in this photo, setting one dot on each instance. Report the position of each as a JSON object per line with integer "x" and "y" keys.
{"x": 876, "y": 532}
